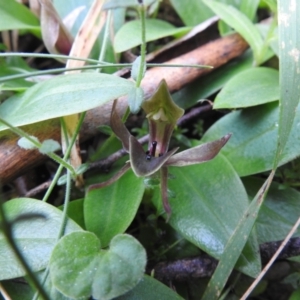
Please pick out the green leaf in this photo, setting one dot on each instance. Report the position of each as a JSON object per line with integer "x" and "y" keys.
{"x": 82, "y": 168}
{"x": 75, "y": 211}
{"x": 135, "y": 69}
{"x": 135, "y": 99}
{"x": 251, "y": 149}
{"x": 249, "y": 88}
{"x": 16, "y": 16}
{"x": 12, "y": 67}
{"x": 78, "y": 267}
{"x": 211, "y": 83}
{"x": 129, "y": 35}
{"x": 289, "y": 40}
{"x": 62, "y": 180}
{"x": 20, "y": 290}
{"x": 35, "y": 237}
{"x": 17, "y": 290}
{"x": 269, "y": 33}
{"x": 110, "y": 210}
{"x": 192, "y": 14}
{"x": 209, "y": 201}
{"x": 49, "y": 146}
{"x": 272, "y": 5}
{"x": 26, "y": 144}
{"x": 280, "y": 210}
{"x": 61, "y": 96}
{"x": 235, "y": 245}
{"x": 239, "y": 22}
{"x": 150, "y": 289}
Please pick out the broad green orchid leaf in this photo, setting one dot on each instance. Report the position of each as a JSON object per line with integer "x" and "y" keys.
{"x": 199, "y": 154}
{"x": 143, "y": 164}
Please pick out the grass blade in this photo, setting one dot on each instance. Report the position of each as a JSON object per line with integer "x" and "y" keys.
{"x": 289, "y": 54}
{"x": 236, "y": 244}
{"x": 249, "y": 7}
{"x": 239, "y": 22}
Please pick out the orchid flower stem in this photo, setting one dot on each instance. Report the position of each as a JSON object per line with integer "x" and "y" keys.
{"x": 142, "y": 67}
{"x": 102, "y": 65}
{"x": 164, "y": 191}
{"x": 66, "y": 205}
{"x": 142, "y": 10}
{"x": 6, "y": 228}
{"x": 97, "y": 63}
{"x": 66, "y": 156}
{"x": 53, "y": 71}
{"x": 45, "y": 55}
{"x": 53, "y": 183}
{"x": 105, "y": 39}
{"x": 38, "y": 145}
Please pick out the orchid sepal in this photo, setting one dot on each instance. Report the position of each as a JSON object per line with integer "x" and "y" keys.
{"x": 162, "y": 114}
{"x": 111, "y": 180}
{"x": 140, "y": 164}
{"x": 198, "y": 154}
{"x": 119, "y": 127}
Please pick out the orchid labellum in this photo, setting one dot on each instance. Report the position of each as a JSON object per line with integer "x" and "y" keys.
{"x": 162, "y": 114}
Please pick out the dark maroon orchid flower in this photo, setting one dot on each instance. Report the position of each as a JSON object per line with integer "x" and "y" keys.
{"x": 162, "y": 114}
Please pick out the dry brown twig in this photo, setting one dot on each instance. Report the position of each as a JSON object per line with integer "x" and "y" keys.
{"x": 204, "y": 266}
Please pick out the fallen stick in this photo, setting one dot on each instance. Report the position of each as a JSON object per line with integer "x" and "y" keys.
{"x": 15, "y": 161}
{"x": 204, "y": 265}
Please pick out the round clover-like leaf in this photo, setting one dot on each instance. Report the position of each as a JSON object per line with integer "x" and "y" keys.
{"x": 79, "y": 268}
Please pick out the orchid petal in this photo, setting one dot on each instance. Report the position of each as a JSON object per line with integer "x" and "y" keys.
{"x": 119, "y": 128}
{"x": 113, "y": 179}
{"x": 139, "y": 163}
{"x": 199, "y": 154}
